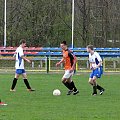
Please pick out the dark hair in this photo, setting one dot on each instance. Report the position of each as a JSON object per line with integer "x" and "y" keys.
{"x": 64, "y": 42}
{"x": 22, "y": 41}
{"x": 90, "y": 47}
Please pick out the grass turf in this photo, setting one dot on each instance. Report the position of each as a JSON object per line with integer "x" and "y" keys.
{"x": 42, "y": 105}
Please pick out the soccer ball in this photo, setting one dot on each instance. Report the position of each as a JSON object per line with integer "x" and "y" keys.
{"x": 56, "y": 92}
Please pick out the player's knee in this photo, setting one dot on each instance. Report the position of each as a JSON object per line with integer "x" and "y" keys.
{"x": 90, "y": 81}
{"x": 24, "y": 77}
{"x": 94, "y": 80}
{"x": 69, "y": 80}
{"x": 63, "y": 80}
{"x": 16, "y": 76}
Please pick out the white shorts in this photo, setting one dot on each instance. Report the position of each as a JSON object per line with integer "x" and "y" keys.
{"x": 68, "y": 74}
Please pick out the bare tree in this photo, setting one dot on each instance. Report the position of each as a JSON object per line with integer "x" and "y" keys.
{"x": 47, "y": 22}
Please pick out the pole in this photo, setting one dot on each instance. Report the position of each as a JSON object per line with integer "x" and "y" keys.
{"x": 5, "y": 24}
{"x": 47, "y": 64}
{"x": 73, "y": 10}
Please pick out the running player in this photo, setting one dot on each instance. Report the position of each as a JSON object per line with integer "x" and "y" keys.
{"x": 97, "y": 69}
{"x": 19, "y": 56}
{"x": 69, "y": 61}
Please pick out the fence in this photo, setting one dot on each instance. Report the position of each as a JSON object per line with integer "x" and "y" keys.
{"x": 47, "y": 64}
{"x": 44, "y": 59}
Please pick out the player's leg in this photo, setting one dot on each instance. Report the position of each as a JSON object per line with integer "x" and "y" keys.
{"x": 98, "y": 72}
{"x": 66, "y": 83}
{"x": 14, "y": 82}
{"x": 64, "y": 79}
{"x": 70, "y": 81}
{"x": 70, "y": 87}
{"x": 101, "y": 89}
{"x": 94, "y": 85}
{"x": 26, "y": 81}
{"x": 91, "y": 82}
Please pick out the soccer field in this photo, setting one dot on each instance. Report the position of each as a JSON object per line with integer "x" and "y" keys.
{"x": 42, "y": 105}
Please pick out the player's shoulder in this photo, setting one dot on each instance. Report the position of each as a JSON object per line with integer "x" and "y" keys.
{"x": 70, "y": 52}
{"x": 19, "y": 48}
{"x": 89, "y": 54}
{"x": 96, "y": 53}
{"x": 65, "y": 51}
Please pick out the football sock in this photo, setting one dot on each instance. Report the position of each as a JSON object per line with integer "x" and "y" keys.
{"x": 14, "y": 83}
{"x": 99, "y": 87}
{"x": 73, "y": 86}
{"x": 68, "y": 85}
{"x": 95, "y": 89}
{"x": 27, "y": 84}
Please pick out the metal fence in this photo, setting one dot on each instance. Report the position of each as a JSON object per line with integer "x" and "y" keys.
{"x": 47, "y": 64}
{"x": 44, "y": 59}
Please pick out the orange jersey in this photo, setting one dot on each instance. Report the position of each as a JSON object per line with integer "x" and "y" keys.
{"x": 68, "y": 59}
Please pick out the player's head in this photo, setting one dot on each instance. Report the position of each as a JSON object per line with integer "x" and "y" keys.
{"x": 63, "y": 45}
{"x": 90, "y": 48}
{"x": 23, "y": 43}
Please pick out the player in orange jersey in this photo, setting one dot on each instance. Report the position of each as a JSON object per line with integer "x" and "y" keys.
{"x": 69, "y": 61}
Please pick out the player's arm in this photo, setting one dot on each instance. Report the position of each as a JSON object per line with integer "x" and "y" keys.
{"x": 99, "y": 59}
{"x": 24, "y": 58}
{"x": 14, "y": 56}
{"x": 91, "y": 66}
{"x": 100, "y": 63}
{"x": 74, "y": 63}
{"x": 61, "y": 61}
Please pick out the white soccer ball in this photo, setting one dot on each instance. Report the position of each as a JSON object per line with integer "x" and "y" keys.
{"x": 56, "y": 92}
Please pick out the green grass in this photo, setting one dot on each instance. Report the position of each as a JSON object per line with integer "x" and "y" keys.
{"x": 42, "y": 105}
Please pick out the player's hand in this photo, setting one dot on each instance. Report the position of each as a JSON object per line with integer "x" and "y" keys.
{"x": 71, "y": 70}
{"x": 91, "y": 68}
{"x": 57, "y": 64}
{"x": 28, "y": 61}
{"x": 94, "y": 68}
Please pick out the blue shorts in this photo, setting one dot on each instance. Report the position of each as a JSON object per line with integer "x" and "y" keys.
{"x": 20, "y": 71}
{"x": 97, "y": 72}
